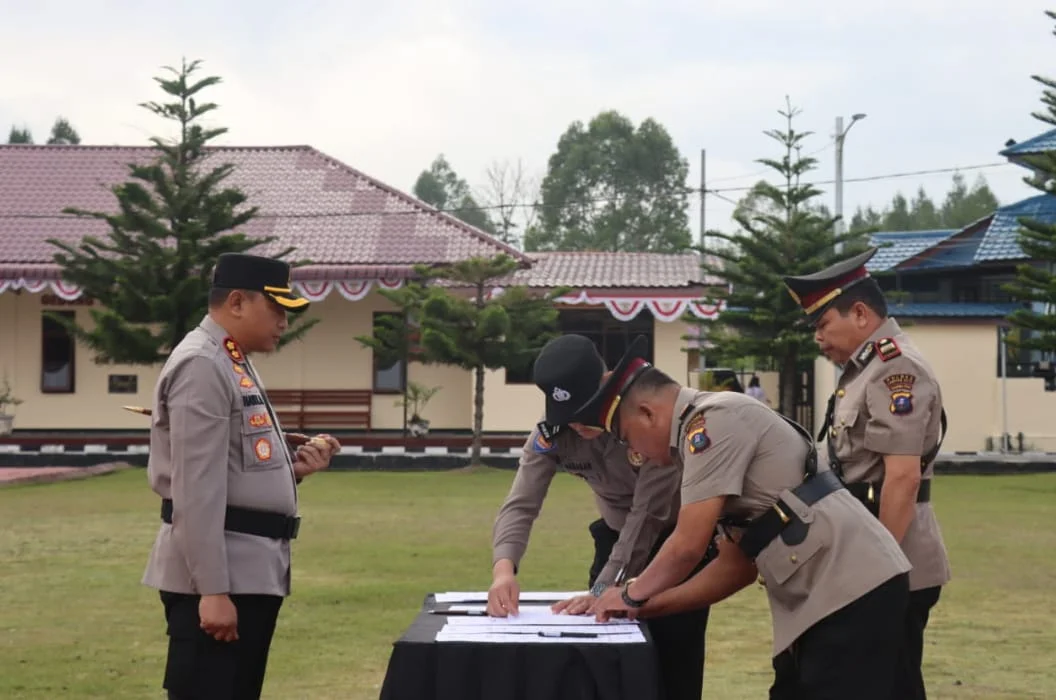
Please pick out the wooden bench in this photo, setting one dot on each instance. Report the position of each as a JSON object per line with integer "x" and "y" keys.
{"x": 322, "y": 409}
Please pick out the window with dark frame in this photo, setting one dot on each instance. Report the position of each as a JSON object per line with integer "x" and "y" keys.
{"x": 611, "y": 337}
{"x": 58, "y": 356}
{"x": 1018, "y": 362}
{"x": 391, "y": 379}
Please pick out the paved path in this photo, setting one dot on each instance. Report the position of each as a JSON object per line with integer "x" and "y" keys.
{"x": 24, "y": 475}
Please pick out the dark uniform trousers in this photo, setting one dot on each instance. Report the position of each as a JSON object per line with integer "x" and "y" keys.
{"x": 201, "y": 668}
{"x": 910, "y": 682}
{"x": 834, "y": 660}
{"x": 678, "y": 638}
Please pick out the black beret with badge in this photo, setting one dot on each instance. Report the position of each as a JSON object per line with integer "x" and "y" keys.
{"x": 256, "y": 273}
{"x": 816, "y": 292}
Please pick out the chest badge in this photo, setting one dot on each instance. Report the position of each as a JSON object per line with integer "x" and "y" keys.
{"x": 697, "y": 439}
{"x": 262, "y": 448}
{"x": 901, "y": 388}
{"x": 635, "y": 458}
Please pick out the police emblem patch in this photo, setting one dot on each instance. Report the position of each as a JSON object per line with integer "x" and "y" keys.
{"x": 233, "y": 351}
{"x": 901, "y": 388}
{"x": 697, "y": 439}
{"x": 635, "y": 458}
{"x": 262, "y": 448}
{"x": 540, "y": 444}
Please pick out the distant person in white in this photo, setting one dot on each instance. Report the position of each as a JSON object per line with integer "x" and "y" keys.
{"x": 756, "y": 391}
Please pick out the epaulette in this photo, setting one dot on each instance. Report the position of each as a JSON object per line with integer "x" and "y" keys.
{"x": 887, "y": 349}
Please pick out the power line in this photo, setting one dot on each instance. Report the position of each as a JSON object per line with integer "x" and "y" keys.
{"x": 417, "y": 209}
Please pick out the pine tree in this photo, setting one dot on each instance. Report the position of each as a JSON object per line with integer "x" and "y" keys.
{"x": 1035, "y": 281}
{"x": 151, "y": 274}
{"x": 785, "y": 234}
{"x": 449, "y": 316}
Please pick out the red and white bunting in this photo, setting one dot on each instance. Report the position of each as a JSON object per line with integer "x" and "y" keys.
{"x": 623, "y": 308}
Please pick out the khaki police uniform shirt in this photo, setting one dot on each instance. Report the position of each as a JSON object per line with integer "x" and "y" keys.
{"x": 731, "y": 445}
{"x": 214, "y": 442}
{"x": 638, "y": 501}
{"x": 892, "y": 407}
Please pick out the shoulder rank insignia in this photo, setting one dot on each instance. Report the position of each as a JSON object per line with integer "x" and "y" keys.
{"x": 233, "y": 351}
{"x": 887, "y": 349}
{"x": 697, "y": 439}
{"x": 246, "y": 383}
{"x": 901, "y": 388}
{"x": 635, "y": 458}
{"x": 541, "y": 444}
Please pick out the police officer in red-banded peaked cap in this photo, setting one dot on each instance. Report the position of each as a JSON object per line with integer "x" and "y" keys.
{"x": 883, "y": 429}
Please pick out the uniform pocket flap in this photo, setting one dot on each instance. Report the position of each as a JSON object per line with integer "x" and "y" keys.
{"x": 779, "y": 561}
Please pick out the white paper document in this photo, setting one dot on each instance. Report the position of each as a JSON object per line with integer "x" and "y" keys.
{"x": 526, "y": 615}
{"x": 542, "y": 634}
{"x": 529, "y": 596}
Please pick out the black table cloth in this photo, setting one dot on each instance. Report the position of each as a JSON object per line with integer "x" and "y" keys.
{"x": 421, "y": 668}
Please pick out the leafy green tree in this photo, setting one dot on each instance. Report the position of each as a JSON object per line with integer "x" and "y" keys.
{"x": 442, "y": 188}
{"x": 22, "y": 135}
{"x": 151, "y": 274}
{"x": 962, "y": 206}
{"x": 783, "y": 234}
{"x": 63, "y": 133}
{"x": 1035, "y": 281}
{"x": 448, "y": 315}
{"x": 615, "y": 187}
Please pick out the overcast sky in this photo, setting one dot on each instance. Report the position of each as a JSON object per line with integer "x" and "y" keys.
{"x": 944, "y": 83}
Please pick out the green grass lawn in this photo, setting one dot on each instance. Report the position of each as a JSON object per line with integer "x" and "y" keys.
{"x": 76, "y": 623}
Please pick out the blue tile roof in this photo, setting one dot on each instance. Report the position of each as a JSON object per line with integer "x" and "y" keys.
{"x": 956, "y": 253}
{"x": 1035, "y": 144}
{"x": 1000, "y": 240}
{"x": 951, "y": 310}
{"x": 898, "y": 246}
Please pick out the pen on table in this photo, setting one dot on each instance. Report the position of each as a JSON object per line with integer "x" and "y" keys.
{"x": 465, "y": 613}
{"x": 577, "y": 635}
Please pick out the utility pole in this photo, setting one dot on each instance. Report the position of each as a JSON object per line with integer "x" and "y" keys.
{"x": 703, "y": 193}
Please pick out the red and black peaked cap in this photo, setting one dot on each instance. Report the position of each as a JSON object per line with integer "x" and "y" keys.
{"x": 816, "y": 292}
{"x": 569, "y": 371}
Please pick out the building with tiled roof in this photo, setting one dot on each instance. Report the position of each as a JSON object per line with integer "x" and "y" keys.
{"x": 359, "y": 235}
{"x": 948, "y": 288}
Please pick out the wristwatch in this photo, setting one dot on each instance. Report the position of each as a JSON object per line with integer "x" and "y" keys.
{"x": 598, "y": 588}
{"x": 628, "y": 600}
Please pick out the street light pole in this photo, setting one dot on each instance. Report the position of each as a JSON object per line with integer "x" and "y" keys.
{"x": 840, "y": 136}
{"x": 839, "y": 228}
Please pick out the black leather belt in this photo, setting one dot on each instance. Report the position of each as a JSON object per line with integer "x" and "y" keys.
{"x": 760, "y": 532}
{"x": 250, "y": 522}
{"x": 869, "y": 494}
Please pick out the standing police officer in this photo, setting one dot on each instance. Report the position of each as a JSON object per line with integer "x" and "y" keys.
{"x": 227, "y": 480}
{"x": 835, "y": 578}
{"x": 883, "y": 430}
{"x": 637, "y": 500}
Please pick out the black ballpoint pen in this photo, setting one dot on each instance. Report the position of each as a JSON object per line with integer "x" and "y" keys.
{"x": 465, "y": 613}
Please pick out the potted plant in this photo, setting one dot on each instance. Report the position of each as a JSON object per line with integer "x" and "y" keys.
{"x": 415, "y": 397}
{"x": 7, "y": 420}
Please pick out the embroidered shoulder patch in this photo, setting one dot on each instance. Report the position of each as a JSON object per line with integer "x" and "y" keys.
{"x": 541, "y": 445}
{"x": 697, "y": 439}
{"x": 233, "y": 351}
{"x": 887, "y": 349}
{"x": 901, "y": 388}
{"x": 635, "y": 458}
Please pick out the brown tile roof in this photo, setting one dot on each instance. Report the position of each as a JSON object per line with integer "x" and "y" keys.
{"x": 349, "y": 224}
{"x": 601, "y": 270}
